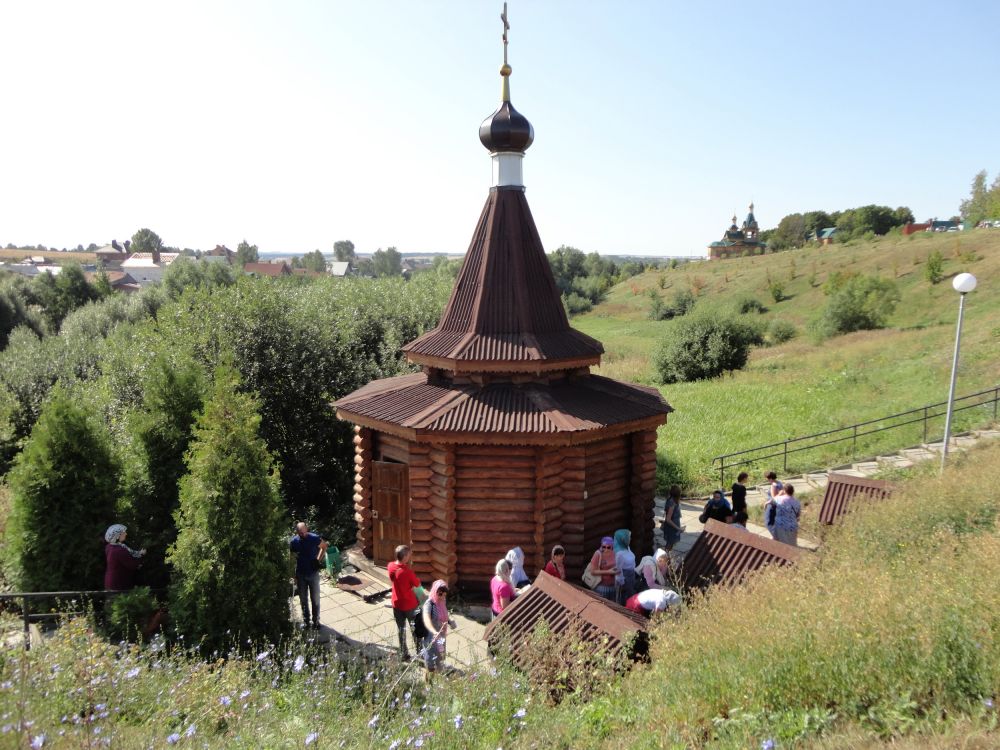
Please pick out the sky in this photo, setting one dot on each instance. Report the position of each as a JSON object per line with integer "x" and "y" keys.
{"x": 296, "y": 124}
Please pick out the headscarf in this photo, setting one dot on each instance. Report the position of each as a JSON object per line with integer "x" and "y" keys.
{"x": 503, "y": 569}
{"x": 516, "y": 559}
{"x": 607, "y": 540}
{"x": 439, "y": 602}
{"x": 114, "y": 531}
{"x": 623, "y": 537}
{"x": 649, "y": 561}
{"x": 657, "y": 600}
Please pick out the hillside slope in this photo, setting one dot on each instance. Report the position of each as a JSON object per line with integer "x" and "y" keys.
{"x": 803, "y": 387}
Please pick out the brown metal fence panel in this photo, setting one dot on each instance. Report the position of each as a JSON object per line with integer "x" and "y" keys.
{"x": 842, "y": 489}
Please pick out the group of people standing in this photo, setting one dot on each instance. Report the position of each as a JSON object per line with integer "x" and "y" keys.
{"x": 781, "y": 508}
{"x": 428, "y": 621}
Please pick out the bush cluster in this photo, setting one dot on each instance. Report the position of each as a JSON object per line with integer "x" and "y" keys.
{"x": 705, "y": 346}
{"x": 680, "y": 304}
{"x": 857, "y": 303}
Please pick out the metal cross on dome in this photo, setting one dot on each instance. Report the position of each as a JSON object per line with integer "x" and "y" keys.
{"x": 506, "y": 27}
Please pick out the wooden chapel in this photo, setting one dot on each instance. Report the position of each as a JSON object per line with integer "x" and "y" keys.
{"x": 504, "y": 438}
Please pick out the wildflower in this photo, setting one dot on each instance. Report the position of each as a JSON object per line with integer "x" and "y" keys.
{"x": 988, "y": 703}
{"x": 395, "y": 744}
{"x": 520, "y": 713}
{"x": 263, "y": 655}
{"x": 373, "y": 721}
{"x": 299, "y": 663}
{"x": 173, "y": 739}
{"x": 132, "y": 673}
{"x": 458, "y": 721}
{"x": 189, "y": 732}
{"x": 225, "y": 700}
{"x": 38, "y": 741}
{"x": 312, "y": 737}
{"x": 419, "y": 742}
{"x": 244, "y": 695}
{"x": 767, "y": 744}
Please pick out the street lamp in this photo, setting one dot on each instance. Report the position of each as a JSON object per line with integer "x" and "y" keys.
{"x": 963, "y": 283}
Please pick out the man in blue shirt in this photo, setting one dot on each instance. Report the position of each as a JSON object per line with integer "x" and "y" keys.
{"x": 309, "y": 549}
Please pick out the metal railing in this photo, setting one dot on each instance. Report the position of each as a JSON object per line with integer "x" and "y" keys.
{"x": 65, "y": 602}
{"x": 921, "y": 415}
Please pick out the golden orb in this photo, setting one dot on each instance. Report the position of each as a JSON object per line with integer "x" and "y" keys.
{"x": 505, "y": 70}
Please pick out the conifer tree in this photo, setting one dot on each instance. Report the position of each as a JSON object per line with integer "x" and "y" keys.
{"x": 230, "y": 561}
{"x": 161, "y": 432}
{"x": 63, "y": 486}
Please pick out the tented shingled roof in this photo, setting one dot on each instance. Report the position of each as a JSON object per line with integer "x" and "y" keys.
{"x": 505, "y": 311}
{"x": 570, "y": 406}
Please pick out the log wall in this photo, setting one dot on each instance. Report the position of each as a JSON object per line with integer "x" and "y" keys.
{"x": 643, "y": 489}
{"x": 608, "y": 506}
{"x": 494, "y": 500}
{"x": 363, "y": 488}
{"x": 443, "y": 554}
{"x": 421, "y": 521}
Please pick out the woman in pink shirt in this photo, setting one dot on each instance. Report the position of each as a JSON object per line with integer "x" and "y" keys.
{"x": 501, "y": 587}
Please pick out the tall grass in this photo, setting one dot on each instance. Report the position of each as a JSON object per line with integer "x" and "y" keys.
{"x": 892, "y": 628}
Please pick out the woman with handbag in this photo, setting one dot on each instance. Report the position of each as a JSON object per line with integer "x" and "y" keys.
{"x": 602, "y": 564}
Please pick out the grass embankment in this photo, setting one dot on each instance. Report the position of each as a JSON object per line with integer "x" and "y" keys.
{"x": 891, "y": 632}
{"x": 892, "y": 629}
{"x": 802, "y": 386}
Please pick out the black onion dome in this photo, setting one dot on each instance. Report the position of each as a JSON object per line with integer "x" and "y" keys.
{"x": 506, "y": 130}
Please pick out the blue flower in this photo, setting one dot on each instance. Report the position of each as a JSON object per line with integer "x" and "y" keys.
{"x": 225, "y": 700}
{"x": 767, "y": 744}
{"x": 520, "y": 713}
{"x": 458, "y": 721}
{"x": 373, "y": 721}
{"x": 312, "y": 737}
{"x": 189, "y": 732}
{"x": 394, "y": 744}
{"x": 132, "y": 673}
{"x": 299, "y": 663}
{"x": 38, "y": 741}
{"x": 988, "y": 703}
{"x": 173, "y": 739}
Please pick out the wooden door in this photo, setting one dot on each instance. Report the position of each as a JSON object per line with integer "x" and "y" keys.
{"x": 390, "y": 509}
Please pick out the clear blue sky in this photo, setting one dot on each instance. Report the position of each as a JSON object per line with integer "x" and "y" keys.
{"x": 296, "y": 124}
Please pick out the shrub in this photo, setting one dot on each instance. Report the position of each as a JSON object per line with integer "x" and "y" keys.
{"x": 777, "y": 290}
{"x": 749, "y": 304}
{"x": 682, "y": 302}
{"x": 934, "y": 269}
{"x": 779, "y": 331}
{"x": 575, "y": 304}
{"x": 230, "y": 560}
{"x": 862, "y": 303}
{"x": 63, "y": 489}
{"x": 705, "y": 346}
{"x": 128, "y": 613}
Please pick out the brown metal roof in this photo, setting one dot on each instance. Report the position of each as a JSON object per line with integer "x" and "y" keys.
{"x": 505, "y": 308}
{"x": 564, "y": 606}
{"x": 569, "y": 405}
{"x": 841, "y": 489}
{"x": 725, "y": 554}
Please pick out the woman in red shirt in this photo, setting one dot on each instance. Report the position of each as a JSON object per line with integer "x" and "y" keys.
{"x": 603, "y": 565}
{"x": 556, "y": 565}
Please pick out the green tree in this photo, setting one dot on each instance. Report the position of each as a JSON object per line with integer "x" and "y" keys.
{"x": 567, "y": 264}
{"x": 703, "y": 346}
{"x": 60, "y": 295}
{"x": 246, "y": 253}
{"x": 934, "y": 268}
{"x": 230, "y": 560}
{"x": 860, "y": 303}
{"x": 63, "y": 490}
{"x": 102, "y": 285}
{"x": 160, "y": 433}
{"x": 344, "y": 250}
{"x": 146, "y": 241}
{"x": 314, "y": 261}
{"x": 387, "y": 262}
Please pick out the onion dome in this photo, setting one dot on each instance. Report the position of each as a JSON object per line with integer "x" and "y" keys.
{"x": 506, "y": 129}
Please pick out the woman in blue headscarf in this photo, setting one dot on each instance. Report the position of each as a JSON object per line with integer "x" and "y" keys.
{"x": 625, "y": 562}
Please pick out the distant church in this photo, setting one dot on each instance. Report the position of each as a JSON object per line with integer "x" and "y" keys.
{"x": 738, "y": 240}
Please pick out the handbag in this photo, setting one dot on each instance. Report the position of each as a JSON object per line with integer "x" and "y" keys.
{"x": 590, "y": 577}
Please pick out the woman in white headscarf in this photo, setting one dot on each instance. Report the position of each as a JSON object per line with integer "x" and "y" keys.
{"x": 518, "y": 577}
{"x": 653, "y": 570}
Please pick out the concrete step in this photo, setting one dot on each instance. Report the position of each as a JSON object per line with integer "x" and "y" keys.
{"x": 897, "y": 462}
{"x": 867, "y": 468}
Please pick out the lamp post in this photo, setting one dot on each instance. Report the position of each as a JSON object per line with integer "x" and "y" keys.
{"x": 963, "y": 283}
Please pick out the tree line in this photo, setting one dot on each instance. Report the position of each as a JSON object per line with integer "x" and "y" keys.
{"x": 863, "y": 222}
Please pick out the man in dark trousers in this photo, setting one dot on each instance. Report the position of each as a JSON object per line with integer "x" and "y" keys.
{"x": 739, "y": 496}
{"x": 309, "y": 549}
{"x": 405, "y": 606}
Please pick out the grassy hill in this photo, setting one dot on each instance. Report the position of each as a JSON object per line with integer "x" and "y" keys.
{"x": 803, "y": 387}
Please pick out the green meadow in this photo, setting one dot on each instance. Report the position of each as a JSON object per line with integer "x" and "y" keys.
{"x": 806, "y": 386}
